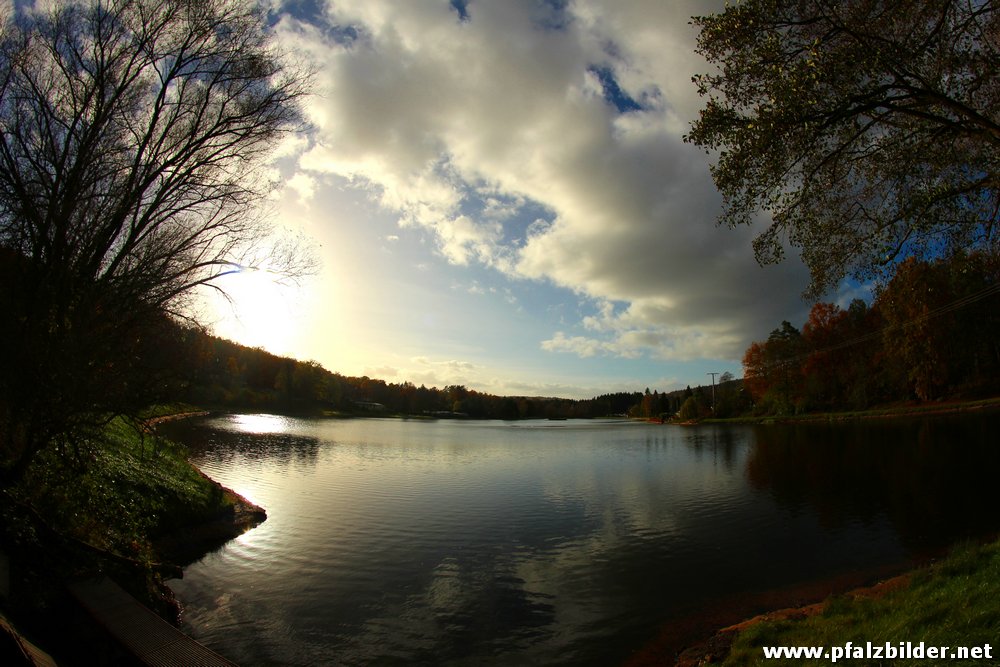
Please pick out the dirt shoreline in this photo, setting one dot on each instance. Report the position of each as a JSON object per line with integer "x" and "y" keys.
{"x": 153, "y": 422}
{"x": 704, "y": 637}
{"x": 716, "y": 648}
{"x": 193, "y": 543}
{"x": 186, "y": 546}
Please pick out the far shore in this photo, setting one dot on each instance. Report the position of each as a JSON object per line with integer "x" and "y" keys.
{"x": 902, "y": 410}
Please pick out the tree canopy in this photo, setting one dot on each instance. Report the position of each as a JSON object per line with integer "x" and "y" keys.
{"x": 866, "y": 131}
{"x": 131, "y": 136}
{"x": 931, "y": 333}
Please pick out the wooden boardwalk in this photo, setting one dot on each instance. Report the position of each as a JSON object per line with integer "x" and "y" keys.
{"x": 14, "y": 646}
{"x": 146, "y": 636}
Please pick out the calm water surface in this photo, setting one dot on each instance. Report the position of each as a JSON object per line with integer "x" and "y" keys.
{"x": 412, "y": 542}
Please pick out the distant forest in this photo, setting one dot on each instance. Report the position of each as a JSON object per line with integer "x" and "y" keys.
{"x": 931, "y": 333}
{"x": 221, "y": 373}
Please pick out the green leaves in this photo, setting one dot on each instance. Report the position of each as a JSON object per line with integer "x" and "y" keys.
{"x": 860, "y": 132}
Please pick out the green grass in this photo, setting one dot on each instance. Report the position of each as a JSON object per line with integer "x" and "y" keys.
{"x": 107, "y": 505}
{"x": 121, "y": 490}
{"x": 167, "y": 409}
{"x": 954, "y": 603}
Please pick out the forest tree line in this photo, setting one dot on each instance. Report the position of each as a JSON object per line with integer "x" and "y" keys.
{"x": 931, "y": 333}
{"x": 224, "y": 374}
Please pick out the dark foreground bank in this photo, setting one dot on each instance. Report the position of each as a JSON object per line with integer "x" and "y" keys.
{"x": 954, "y": 602}
{"x": 128, "y": 507}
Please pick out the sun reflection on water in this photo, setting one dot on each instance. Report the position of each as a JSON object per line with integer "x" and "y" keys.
{"x": 261, "y": 424}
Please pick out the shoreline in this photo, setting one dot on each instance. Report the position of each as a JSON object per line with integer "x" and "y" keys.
{"x": 704, "y": 636}
{"x": 716, "y": 648}
{"x": 191, "y": 531}
{"x": 961, "y": 587}
{"x": 926, "y": 409}
{"x": 153, "y": 422}
{"x": 191, "y": 544}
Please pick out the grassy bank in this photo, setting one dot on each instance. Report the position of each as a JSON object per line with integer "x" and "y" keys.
{"x": 126, "y": 504}
{"x": 955, "y": 603}
{"x": 123, "y": 491}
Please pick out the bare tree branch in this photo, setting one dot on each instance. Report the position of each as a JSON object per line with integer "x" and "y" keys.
{"x": 131, "y": 136}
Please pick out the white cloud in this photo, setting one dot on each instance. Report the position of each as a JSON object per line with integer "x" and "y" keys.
{"x": 389, "y": 372}
{"x": 473, "y": 288}
{"x": 431, "y": 113}
{"x": 303, "y": 185}
{"x": 440, "y": 373}
{"x": 499, "y": 209}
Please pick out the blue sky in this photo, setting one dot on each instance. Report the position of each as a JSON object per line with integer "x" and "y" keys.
{"x": 500, "y": 196}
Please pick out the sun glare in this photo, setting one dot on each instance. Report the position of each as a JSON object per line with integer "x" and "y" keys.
{"x": 260, "y": 312}
{"x": 310, "y": 321}
{"x": 261, "y": 424}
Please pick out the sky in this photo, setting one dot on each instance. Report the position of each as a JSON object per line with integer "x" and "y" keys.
{"x": 500, "y": 196}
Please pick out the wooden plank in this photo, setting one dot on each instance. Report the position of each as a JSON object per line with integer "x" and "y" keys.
{"x": 29, "y": 653}
{"x": 147, "y": 636}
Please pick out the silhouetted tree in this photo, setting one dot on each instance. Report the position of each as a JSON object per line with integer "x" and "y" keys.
{"x": 130, "y": 133}
{"x": 865, "y": 131}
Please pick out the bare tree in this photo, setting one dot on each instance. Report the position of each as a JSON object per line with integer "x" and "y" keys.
{"x": 131, "y": 138}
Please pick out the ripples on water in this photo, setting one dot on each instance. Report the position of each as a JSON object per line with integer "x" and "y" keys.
{"x": 395, "y": 542}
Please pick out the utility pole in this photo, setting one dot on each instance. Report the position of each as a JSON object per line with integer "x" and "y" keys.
{"x": 713, "y": 390}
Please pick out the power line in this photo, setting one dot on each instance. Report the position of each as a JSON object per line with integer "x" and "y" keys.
{"x": 951, "y": 306}
{"x": 713, "y": 389}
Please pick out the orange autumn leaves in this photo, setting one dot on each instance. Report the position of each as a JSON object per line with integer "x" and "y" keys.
{"x": 932, "y": 332}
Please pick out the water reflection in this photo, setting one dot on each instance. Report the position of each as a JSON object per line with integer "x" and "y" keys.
{"x": 932, "y": 478}
{"x": 260, "y": 424}
{"x": 721, "y": 442}
{"x": 481, "y": 542}
{"x": 271, "y": 439}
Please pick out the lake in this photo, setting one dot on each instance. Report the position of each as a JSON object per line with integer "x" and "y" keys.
{"x": 555, "y": 542}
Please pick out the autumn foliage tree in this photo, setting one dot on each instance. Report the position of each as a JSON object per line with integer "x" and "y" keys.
{"x": 772, "y": 369}
{"x": 840, "y": 367}
{"x": 932, "y": 332}
{"x": 756, "y": 376}
{"x": 941, "y": 324}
